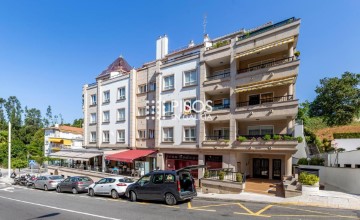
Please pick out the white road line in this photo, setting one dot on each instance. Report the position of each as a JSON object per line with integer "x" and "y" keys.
{"x": 66, "y": 210}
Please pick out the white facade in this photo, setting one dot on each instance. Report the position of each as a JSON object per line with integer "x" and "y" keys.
{"x": 350, "y": 159}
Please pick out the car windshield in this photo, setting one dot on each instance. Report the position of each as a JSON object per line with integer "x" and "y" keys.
{"x": 55, "y": 177}
{"x": 126, "y": 180}
{"x": 84, "y": 179}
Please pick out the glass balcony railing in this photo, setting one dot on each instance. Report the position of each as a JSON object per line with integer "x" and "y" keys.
{"x": 266, "y": 100}
{"x": 267, "y": 65}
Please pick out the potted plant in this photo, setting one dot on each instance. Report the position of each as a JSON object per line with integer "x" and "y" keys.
{"x": 267, "y": 137}
{"x": 239, "y": 177}
{"x": 297, "y": 54}
{"x": 221, "y": 175}
{"x": 309, "y": 183}
{"x": 241, "y": 138}
{"x": 276, "y": 137}
{"x": 206, "y": 174}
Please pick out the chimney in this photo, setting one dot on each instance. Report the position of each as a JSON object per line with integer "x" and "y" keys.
{"x": 207, "y": 42}
{"x": 191, "y": 44}
{"x": 162, "y": 47}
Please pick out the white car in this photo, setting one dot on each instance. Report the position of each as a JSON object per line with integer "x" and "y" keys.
{"x": 114, "y": 186}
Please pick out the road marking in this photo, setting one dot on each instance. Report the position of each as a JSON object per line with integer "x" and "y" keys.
{"x": 264, "y": 209}
{"x": 8, "y": 189}
{"x": 318, "y": 216}
{"x": 189, "y": 205}
{"x": 246, "y": 209}
{"x": 243, "y": 213}
{"x": 207, "y": 210}
{"x": 168, "y": 206}
{"x": 53, "y": 207}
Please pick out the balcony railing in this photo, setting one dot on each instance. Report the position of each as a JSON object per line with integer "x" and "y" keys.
{"x": 219, "y": 107}
{"x": 267, "y": 65}
{"x": 218, "y": 76}
{"x": 229, "y": 175}
{"x": 266, "y": 100}
{"x": 217, "y": 138}
{"x": 267, "y": 28}
{"x": 269, "y": 137}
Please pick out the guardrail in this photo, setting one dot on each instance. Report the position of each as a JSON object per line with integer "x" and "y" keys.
{"x": 267, "y": 65}
{"x": 266, "y": 100}
{"x": 229, "y": 175}
{"x": 218, "y": 76}
{"x": 216, "y": 138}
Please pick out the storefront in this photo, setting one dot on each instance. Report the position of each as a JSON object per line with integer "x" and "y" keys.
{"x": 177, "y": 161}
{"x": 213, "y": 161}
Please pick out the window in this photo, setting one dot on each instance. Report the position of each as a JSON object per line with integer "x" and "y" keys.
{"x": 93, "y": 99}
{"x": 261, "y": 130}
{"x": 190, "y": 78}
{"x": 347, "y": 165}
{"x": 142, "y": 111}
{"x": 93, "y": 136}
{"x": 169, "y": 178}
{"x": 102, "y": 181}
{"x": 144, "y": 180}
{"x": 92, "y": 118}
{"x": 190, "y": 134}
{"x": 152, "y": 86}
{"x": 106, "y": 136}
{"x": 106, "y": 97}
{"x": 158, "y": 178}
{"x": 222, "y": 133}
{"x": 121, "y": 93}
{"x": 168, "y": 82}
{"x": 168, "y": 109}
{"x": 121, "y": 136}
{"x": 106, "y": 116}
{"x": 151, "y": 134}
{"x": 189, "y": 106}
{"x": 142, "y": 88}
{"x": 267, "y": 97}
{"x": 357, "y": 165}
{"x": 261, "y": 98}
{"x": 152, "y": 110}
{"x": 221, "y": 103}
{"x": 121, "y": 114}
{"x": 142, "y": 134}
{"x": 168, "y": 134}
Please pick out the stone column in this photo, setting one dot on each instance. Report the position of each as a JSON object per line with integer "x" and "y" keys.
{"x": 201, "y": 160}
{"x": 291, "y": 49}
{"x": 288, "y": 165}
{"x": 270, "y": 168}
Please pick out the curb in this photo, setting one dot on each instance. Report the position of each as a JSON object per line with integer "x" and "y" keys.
{"x": 301, "y": 204}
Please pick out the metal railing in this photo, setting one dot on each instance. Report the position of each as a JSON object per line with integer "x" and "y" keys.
{"x": 219, "y": 107}
{"x": 266, "y": 100}
{"x": 255, "y": 137}
{"x": 267, "y": 65}
{"x": 229, "y": 175}
{"x": 267, "y": 28}
{"x": 218, "y": 76}
{"x": 216, "y": 138}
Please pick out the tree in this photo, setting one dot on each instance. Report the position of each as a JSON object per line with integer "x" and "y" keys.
{"x": 3, "y": 124}
{"x": 33, "y": 118}
{"x": 78, "y": 123}
{"x": 338, "y": 99}
{"x": 14, "y": 111}
{"x": 18, "y": 163}
{"x": 48, "y": 120}
{"x": 303, "y": 113}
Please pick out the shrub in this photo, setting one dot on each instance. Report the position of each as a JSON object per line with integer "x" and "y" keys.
{"x": 302, "y": 161}
{"x": 267, "y": 137}
{"x": 221, "y": 175}
{"x": 308, "y": 179}
{"x": 239, "y": 177}
{"x": 300, "y": 139}
{"x": 277, "y": 137}
{"x": 317, "y": 161}
{"x": 287, "y": 138}
{"x": 346, "y": 135}
{"x": 206, "y": 174}
{"x": 297, "y": 53}
{"x": 241, "y": 138}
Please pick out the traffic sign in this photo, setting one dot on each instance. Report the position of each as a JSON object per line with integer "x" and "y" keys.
{"x": 31, "y": 162}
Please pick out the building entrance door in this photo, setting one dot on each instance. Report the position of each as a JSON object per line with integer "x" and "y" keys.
{"x": 276, "y": 169}
{"x": 261, "y": 168}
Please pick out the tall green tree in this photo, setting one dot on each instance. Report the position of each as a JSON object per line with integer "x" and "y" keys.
{"x": 3, "y": 124}
{"x": 48, "y": 119}
{"x": 14, "y": 111}
{"x": 338, "y": 99}
{"x": 303, "y": 113}
{"x": 33, "y": 118}
{"x": 78, "y": 123}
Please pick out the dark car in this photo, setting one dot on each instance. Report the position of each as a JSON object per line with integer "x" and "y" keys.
{"x": 170, "y": 186}
{"x": 74, "y": 184}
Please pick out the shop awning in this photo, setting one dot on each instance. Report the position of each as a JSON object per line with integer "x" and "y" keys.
{"x": 56, "y": 140}
{"x": 264, "y": 47}
{"x": 85, "y": 156}
{"x": 266, "y": 84}
{"x": 67, "y": 142}
{"x": 130, "y": 155}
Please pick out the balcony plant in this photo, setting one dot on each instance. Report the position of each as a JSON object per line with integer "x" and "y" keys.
{"x": 276, "y": 137}
{"x": 239, "y": 177}
{"x": 310, "y": 183}
{"x": 221, "y": 175}
{"x": 297, "y": 54}
{"x": 206, "y": 174}
{"x": 241, "y": 138}
{"x": 288, "y": 138}
{"x": 300, "y": 139}
{"x": 267, "y": 137}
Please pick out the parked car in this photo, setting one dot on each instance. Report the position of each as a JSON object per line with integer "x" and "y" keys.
{"x": 170, "y": 186}
{"x": 114, "y": 186}
{"x": 47, "y": 182}
{"x": 74, "y": 184}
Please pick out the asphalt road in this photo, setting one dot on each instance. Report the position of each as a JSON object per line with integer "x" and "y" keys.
{"x": 19, "y": 203}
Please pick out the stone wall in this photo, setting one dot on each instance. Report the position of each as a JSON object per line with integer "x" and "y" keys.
{"x": 221, "y": 187}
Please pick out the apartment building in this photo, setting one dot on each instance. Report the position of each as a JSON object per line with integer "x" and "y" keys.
{"x": 228, "y": 102}
{"x": 61, "y": 137}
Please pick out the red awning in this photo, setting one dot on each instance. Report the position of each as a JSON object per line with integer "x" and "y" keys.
{"x": 130, "y": 155}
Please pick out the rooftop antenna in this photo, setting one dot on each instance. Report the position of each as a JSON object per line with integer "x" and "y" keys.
{"x": 204, "y": 24}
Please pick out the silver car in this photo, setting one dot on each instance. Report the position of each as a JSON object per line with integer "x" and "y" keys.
{"x": 47, "y": 182}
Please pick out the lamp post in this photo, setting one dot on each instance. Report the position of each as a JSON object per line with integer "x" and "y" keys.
{"x": 308, "y": 160}
{"x": 9, "y": 151}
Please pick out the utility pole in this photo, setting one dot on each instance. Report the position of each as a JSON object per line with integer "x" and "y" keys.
{"x": 9, "y": 154}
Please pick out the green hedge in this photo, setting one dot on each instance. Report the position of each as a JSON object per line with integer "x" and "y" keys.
{"x": 346, "y": 135}
{"x": 314, "y": 161}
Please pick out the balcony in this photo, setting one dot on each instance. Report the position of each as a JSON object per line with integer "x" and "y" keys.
{"x": 267, "y": 64}
{"x": 265, "y": 100}
{"x": 220, "y": 107}
{"x": 222, "y": 75}
{"x": 216, "y": 141}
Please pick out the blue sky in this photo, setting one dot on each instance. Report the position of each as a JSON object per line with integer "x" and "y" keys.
{"x": 49, "y": 49}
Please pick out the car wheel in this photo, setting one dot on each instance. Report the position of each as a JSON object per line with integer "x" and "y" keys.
{"x": 114, "y": 194}
{"x": 170, "y": 199}
{"x": 132, "y": 196}
{"x": 58, "y": 189}
{"x": 74, "y": 191}
{"x": 91, "y": 192}
{"x": 46, "y": 188}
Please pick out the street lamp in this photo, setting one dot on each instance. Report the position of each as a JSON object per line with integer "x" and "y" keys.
{"x": 308, "y": 160}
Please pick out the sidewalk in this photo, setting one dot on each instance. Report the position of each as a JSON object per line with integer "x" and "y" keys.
{"x": 328, "y": 199}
